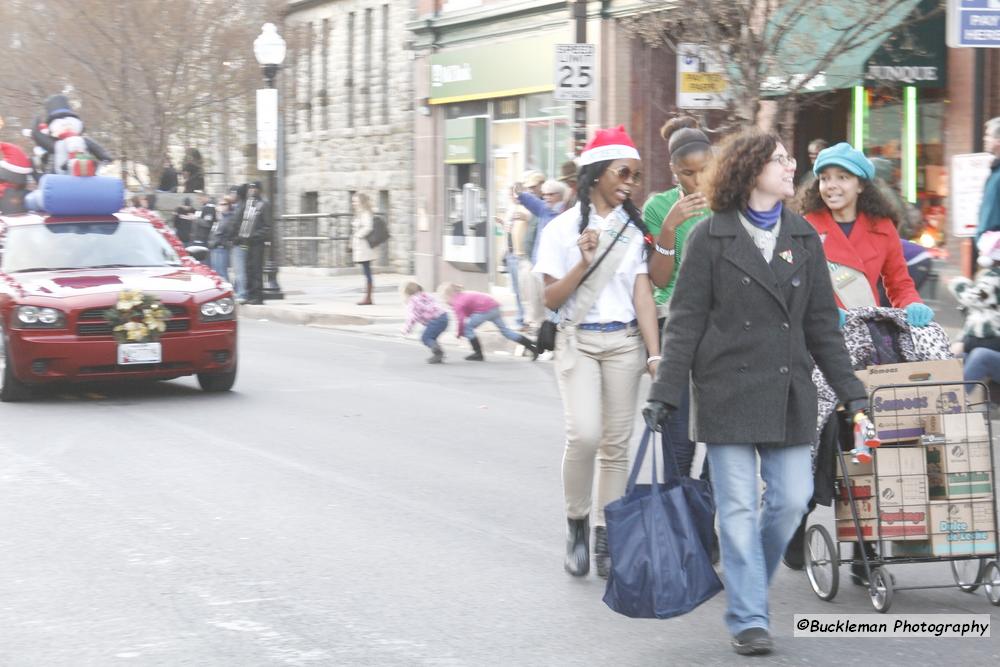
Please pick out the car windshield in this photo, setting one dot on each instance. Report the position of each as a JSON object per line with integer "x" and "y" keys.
{"x": 54, "y": 246}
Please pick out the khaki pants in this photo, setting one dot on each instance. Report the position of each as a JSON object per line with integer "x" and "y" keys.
{"x": 599, "y": 385}
{"x": 532, "y": 294}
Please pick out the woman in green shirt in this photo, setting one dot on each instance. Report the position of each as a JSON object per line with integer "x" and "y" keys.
{"x": 671, "y": 216}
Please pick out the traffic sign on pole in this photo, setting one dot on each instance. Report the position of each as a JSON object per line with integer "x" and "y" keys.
{"x": 701, "y": 79}
{"x": 574, "y": 75}
{"x": 973, "y": 23}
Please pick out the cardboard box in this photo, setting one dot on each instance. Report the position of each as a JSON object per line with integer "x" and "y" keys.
{"x": 905, "y": 492}
{"x": 865, "y": 507}
{"x": 959, "y": 457}
{"x": 962, "y": 516}
{"x": 897, "y": 412}
{"x": 862, "y": 486}
{"x": 960, "y": 427}
{"x": 896, "y": 522}
{"x": 847, "y": 533}
{"x": 900, "y": 461}
{"x": 959, "y": 485}
{"x": 956, "y": 529}
{"x": 854, "y": 469}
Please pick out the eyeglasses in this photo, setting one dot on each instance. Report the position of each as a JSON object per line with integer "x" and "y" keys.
{"x": 785, "y": 161}
{"x": 550, "y": 194}
{"x": 625, "y": 174}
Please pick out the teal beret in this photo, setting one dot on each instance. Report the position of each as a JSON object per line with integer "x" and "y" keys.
{"x": 846, "y": 157}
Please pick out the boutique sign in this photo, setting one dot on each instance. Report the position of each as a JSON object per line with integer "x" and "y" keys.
{"x": 926, "y": 75}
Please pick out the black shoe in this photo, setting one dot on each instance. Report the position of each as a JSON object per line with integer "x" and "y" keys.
{"x": 795, "y": 554}
{"x": 753, "y": 641}
{"x": 577, "y": 560}
{"x": 529, "y": 346}
{"x": 437, "y": 355}
{"x": 602, "y": 557}
{"x": 477, "y": 351}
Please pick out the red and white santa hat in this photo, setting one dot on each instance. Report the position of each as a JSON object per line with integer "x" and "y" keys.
{"x": 14, "y": 164}
{"x": 611, "y": 144}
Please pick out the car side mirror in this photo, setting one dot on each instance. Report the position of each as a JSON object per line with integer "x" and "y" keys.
{"x": 199, "y": 252}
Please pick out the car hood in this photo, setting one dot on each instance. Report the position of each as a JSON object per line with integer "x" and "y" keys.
{"x": 96, "y": 282}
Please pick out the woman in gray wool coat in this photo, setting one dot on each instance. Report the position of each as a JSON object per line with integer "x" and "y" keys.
{"x": 753, "y": 307}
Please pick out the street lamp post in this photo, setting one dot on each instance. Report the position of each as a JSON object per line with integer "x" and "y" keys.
{"x": 269, "y": 49}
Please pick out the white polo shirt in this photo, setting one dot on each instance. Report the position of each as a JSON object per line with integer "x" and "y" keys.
{"x": 558, "y": 253}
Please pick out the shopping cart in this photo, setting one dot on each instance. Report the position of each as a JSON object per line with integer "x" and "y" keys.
{"x": 929, "y": 495}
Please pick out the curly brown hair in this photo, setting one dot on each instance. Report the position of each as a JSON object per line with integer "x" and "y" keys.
{"x": 872, "y": 201}
{"x": 739, "y": 161}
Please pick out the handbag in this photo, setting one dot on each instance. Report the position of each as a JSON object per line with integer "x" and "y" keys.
{"x": 546, "y": 340}
{"x": 658, "y": 537}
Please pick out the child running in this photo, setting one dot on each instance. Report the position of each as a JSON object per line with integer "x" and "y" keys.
{"x": 473, "y": 309}
{"x": 422, "y": 308}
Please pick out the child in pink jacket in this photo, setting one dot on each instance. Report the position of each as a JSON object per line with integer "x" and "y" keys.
{"x": 473, "y": 309}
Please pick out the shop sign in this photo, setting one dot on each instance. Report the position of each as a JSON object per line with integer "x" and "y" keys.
{"x": 968, "y": 178}
{"x": 494, "y": 69}
{"x": 465, "y": 141}
{"x": 912, "y": 55}
{"x": 701, "y": 79}
{"x": 974, "y": 23}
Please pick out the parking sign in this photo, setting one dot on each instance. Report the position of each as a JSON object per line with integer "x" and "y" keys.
{"x": 575, "y": 75}
{"x": 973, "y": 23}
{"x": 701, "y": 80}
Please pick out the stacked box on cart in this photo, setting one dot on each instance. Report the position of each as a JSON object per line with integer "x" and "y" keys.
{"x": 956, "y": 529}
{"x": 897, "y": 412}
{"x": 901, "y": 484}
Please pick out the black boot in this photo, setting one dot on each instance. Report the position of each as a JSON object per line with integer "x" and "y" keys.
{"x": 858, "y": 576}
{"x": 477, "y": 350}
{"x": 602, "y": 557}
{"x": 529, "y": 346}
{"x": 795, "y": 556}
{"x": 577, "y": 548}
{"x": 437, "y": 355}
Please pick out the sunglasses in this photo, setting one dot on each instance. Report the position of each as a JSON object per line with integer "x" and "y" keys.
{"x": 625, "y": 174}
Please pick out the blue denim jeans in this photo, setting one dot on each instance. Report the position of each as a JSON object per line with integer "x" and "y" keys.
{"x": 239, "y": 257}
{"x": 981, "y": 365}
{"x": 753, "y": 537}
{"x": 676, "y": 437}
{"x": 476, "y": 319}
{"x": 434, "y": 329}
{"x": 512, "y": 268}
{"x": 218, "y": 259}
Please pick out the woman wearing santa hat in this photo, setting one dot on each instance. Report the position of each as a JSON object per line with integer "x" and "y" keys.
{"x": 15, "y": 167}
{"x": 592, "y": 258}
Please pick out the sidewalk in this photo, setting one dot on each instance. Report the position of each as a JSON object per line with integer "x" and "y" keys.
{"x": 315, "y": 298}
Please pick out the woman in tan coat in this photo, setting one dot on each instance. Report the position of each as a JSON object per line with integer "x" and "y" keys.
{"x": 361, "y": 250}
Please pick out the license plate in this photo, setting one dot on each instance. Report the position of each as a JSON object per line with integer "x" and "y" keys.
{"x": 139, "y": 353}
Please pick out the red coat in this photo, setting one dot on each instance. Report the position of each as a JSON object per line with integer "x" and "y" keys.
{"x": 874, "y": 249}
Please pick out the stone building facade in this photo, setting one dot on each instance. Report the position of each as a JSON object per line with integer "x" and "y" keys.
{"x": 347, "y": 88}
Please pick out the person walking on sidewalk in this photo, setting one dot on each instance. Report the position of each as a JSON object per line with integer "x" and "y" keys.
{"x": 593, "y": 260}
{"x": 752, "y": 308}
{"x": 422, "y": 308}
{"x": 670, "y": 217}
{"x": 253, "y": 220}
{"x": 473, "y": 309}
{"x": 361, "y": 251}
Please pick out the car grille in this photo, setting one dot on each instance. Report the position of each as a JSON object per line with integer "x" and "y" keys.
{"x": 91, "y": 322}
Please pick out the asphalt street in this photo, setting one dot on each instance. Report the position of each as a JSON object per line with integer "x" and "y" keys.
{"x": 347, "y": 504}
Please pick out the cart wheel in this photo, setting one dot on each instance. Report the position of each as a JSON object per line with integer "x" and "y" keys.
{"x": 882, "y": 595}
{"x": 968, "y": 573}
{"x": 822, "y": 562}
{"x": 991, "y": 582}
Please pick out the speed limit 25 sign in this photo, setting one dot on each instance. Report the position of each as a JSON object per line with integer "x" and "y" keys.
{"x": 575, "y": 76}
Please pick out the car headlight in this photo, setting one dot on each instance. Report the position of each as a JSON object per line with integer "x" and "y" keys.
{"x": 36, "y": 317}
{"x": 220, "y": 309}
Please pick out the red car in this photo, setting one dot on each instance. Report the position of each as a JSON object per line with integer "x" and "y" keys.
{"x": 58, "y": 276}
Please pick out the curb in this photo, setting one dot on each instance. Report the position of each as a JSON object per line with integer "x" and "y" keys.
{"x": 294, "y": 316}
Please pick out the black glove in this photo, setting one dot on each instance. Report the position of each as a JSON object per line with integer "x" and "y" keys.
{"x": 857, "y": 405}
{"x": 656, "y": 414}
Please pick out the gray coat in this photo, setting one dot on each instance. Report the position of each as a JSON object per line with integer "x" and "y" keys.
{"x": 746, "y": 332}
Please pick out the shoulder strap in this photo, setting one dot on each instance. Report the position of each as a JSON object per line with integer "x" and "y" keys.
{"x": 587, "y": 294}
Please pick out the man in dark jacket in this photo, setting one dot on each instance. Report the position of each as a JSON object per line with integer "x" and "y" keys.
{"x": 253, "y": 232}
{"x": 168, "y": 177}
{"x": 204, "y": 221}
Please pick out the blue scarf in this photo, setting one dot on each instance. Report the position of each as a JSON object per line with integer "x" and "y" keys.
{"x": 765, "y": 220}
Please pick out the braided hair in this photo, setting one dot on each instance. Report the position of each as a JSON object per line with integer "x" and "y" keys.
{"x": 587, "y": 178}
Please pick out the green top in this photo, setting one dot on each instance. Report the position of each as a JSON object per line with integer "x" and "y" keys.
{"x": 653, "y": 213}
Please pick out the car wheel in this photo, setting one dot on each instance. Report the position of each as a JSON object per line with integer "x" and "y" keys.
{"x": 13, "y": 389}
{"x": 216, "y": 382}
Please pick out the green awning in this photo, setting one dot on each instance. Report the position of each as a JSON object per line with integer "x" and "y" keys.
{"x": 806, "y": 36}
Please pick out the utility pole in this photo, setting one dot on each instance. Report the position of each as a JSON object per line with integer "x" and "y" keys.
{"x": 580, "y": 107}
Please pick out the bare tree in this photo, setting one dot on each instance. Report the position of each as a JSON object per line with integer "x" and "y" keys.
{"x": 146, "y": 74}
{"x": 772, "y": 49}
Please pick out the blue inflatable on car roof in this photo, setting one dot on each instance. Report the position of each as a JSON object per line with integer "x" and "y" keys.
{"x": 62, "y": 195}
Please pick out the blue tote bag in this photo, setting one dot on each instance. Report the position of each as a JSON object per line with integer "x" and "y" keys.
{"x": 658, "y": 536}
